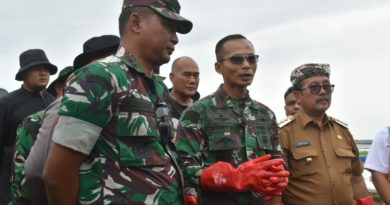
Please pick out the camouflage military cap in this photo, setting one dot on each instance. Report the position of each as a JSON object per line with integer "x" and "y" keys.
{"x": 308, "y": 70}
{"x": 62, "y": 76}
{"x": 169, "y": 9}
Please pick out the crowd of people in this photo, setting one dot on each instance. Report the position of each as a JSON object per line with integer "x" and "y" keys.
{"x": 109, "y": 131}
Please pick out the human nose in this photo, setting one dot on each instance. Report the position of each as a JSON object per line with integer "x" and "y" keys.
{"x": 246, "y": 63}
{"x": 174, "y": 38}
{"x": 44, "y": 71}
{"x": 297, "y": 106}
{"x": 192, "y": 79}
{"x": 322, "y": 90}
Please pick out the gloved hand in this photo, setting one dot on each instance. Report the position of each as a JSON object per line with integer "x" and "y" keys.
{"x": 221, "y": 176}
{"x": 190, "y": 199}
{"x": 270, "y": 181}
{"x": 368, "y": 200}
{"x": 275, "y": 184}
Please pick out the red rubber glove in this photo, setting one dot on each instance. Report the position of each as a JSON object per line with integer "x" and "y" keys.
{"x": 368, "y": 200}
{"x": 221, "y": 176}
{"x": 269, "y": 181}
{"x": 275, "y": 184}
{"x": 190, "y": 199}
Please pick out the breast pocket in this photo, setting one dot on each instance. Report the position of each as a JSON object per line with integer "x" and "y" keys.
{"x": 137, "y": 135}
{"x": 224, "y": 137}
{"x": 304, "y": 162}
{"x": 263, "y": 135}
{"x": 344, "y": 160}
{"x": 136, "y": 117}
{"x": 141, "y": 151}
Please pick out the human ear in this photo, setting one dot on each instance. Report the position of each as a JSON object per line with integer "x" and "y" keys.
{"x": 218, "y": 67}
{"x": 134, "y": 23}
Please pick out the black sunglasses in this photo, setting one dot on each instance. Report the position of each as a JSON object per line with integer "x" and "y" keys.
{"x": 315, "y": 89}
{"x": 239, "y": 59}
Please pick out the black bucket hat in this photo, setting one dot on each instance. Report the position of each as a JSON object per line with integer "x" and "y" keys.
{"x": 33, "y": 57}
{"x": 96, "y": 47}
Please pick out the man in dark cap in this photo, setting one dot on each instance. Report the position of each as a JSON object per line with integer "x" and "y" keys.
{"x": 107, "y": 136}
{"x": 35, "y": 70}
{"x": 26, "y": 135}
{"x": 28, "y": 166}
{"x": 322, "y": 156}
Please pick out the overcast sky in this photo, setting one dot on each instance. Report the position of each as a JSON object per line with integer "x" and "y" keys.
{"x": 353, "y": 36}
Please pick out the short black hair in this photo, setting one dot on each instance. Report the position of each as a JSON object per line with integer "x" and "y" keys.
{"x": 125, "y": 15}
{"x": 219, "y": 46}
{"x": 290, "y": 90}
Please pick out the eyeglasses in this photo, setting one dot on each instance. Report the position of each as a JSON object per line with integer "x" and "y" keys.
{"x": 315, "y": 89}
{"x": 239, "y": 59}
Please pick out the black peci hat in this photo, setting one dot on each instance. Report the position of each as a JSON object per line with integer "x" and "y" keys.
{"x": 96, "y": 47}
{"x": 33, "y": 57}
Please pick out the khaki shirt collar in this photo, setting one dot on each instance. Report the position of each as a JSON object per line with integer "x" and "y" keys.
{"x": 305, "y": 120}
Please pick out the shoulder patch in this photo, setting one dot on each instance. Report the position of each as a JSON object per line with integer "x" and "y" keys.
{"x": 339, "y": 122}
{"x": 286, "y": 121}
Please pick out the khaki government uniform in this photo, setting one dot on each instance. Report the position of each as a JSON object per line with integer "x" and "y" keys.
{"x": 321, "y": 162}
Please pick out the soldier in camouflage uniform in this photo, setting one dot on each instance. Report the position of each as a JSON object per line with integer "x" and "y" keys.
{"x": 108, "y": 136}
{"x": 26, "y": 136}
{"x": 230, "y": 127}
{"x": 93, "y": 49}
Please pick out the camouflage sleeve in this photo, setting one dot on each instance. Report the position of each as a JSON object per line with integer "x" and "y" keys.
{"x": 190, "y": 144}
{"x": 85, "y": 108}
{"x": 88, "y": 95}
{"x": 275, "y": 137}
{"x": 25, "y": 137}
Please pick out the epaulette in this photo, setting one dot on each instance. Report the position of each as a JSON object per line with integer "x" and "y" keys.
{"x": 286, "y": 121}
{"x": 339, "y": 122}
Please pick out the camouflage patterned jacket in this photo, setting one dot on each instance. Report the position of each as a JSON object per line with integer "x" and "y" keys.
{"x": 218, "y": 128}
{"x": 25, "y": 137}
{"x": 108, "y": 113}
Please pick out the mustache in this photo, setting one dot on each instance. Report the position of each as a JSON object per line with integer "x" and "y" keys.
{"x": 321, "y": 98}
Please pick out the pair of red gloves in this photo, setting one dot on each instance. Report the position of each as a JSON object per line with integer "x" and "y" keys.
{"x": 262, "y": 175}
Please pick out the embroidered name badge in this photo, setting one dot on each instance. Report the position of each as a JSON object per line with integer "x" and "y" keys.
{"x": 302, "y": 143}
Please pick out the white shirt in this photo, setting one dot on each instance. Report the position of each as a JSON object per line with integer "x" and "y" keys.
{"x": 379, "y": 154}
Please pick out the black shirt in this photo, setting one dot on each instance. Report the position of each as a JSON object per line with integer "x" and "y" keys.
{"x": 177, "y": 109}
{"x": 17, "y": 105}
{"x": 14, "y": 107}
